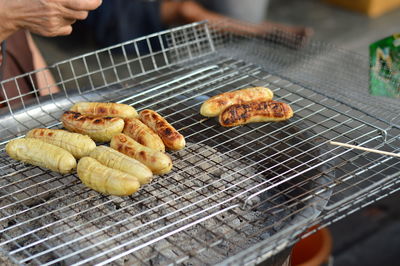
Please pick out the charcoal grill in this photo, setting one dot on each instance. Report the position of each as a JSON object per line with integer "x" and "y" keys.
{"x": 235, "y": 195}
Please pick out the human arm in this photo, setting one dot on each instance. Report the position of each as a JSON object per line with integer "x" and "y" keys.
{"x": 43, "y": 17}
{"x": 188, "y": 11}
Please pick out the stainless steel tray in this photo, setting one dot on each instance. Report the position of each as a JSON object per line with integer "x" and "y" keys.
{"x": 235, "y": 196}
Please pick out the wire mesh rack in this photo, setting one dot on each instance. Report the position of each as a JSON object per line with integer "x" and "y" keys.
{"x": 235, "y": 195}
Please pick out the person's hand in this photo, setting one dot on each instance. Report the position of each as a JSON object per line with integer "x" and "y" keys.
{"x": 45, "y": 17}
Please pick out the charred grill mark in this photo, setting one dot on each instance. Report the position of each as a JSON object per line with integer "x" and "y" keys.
{"x": 76, "y": 115}
{"x": 140, "y": 140}
{"x": 41, "y": 133}
{"x": 128, "y": 148}
{"x": 122, "y": 138}
{"x": 245, "y": 115}
{"x": 50, "y": 134}
{"x": 221, "y": 102}
{"x": 227, "y": 121}
{"x": 97, "y": 121}
{"x": 277, "y": 111}
{"x": 262, "y": 106}
{"x": 275, "y": 105}
{"x": 128, "y": 128}
{"x": 72, "y": 114}
{"x": 102, "y": 110}
{"x": 168, "y": 131}
{"x": 79, "y": 116}
{"x": 234, "y": 113}
{"x": 159, "y": 125}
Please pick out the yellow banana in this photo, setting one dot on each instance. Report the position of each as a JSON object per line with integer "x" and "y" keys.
{"x": 40, "y": 153}
{"x": 116, "y": 160}
{"x": 135, "y": 129}
{"x": 106, "y": 180}
{"x": 77, "y": 144}
{"x": 158, "y": 162}
{"x": 98, "y": 128}
{"x": 105, "y": 109}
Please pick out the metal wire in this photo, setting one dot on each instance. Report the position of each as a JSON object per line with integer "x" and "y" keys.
{"x": 235, "y": 195}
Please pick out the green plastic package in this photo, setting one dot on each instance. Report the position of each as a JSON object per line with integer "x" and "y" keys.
{"x": 385, "y": 67}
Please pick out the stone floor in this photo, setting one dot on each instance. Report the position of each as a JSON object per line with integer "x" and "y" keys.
{"x": 372, "y": 235}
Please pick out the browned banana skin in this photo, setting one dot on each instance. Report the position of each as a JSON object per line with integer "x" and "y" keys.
{"x": 105, "y": 109}
{"x": 216, "y": 104}
{"x": 137, "y": 130}
{"x": 158, "y": 162}
{"x": 100, "y": 129}
{"x": 172, "y": 139}
{"x": 252, "y": 112}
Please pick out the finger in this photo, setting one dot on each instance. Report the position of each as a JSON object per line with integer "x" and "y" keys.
{"x": 85, "y": 5}
{"x": 76, "y": 15}
{"x": 61, "y": 31}
{"x": 67, "y": 22}
{"x": 65, "y": 30}
{"x": 67, "y": 13}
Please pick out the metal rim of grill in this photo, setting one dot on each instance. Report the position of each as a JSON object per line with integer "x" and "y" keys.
{"x": 262, "y": 183}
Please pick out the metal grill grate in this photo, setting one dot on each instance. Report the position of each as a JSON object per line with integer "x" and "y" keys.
{"x": 236, "y": 195}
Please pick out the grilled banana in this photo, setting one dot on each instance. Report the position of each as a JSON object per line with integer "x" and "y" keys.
{"x": 105, "y": 109}
{"x": 252, "y": 112}
{"x": 106, "y": 180}
{"x": 135, "y": 129}
{"x": 100, "y": 129}
{"x": 158, "y": 162}
{"x": 77, "y": 144}
{"x": 214, "y": 106}
{"x": 40, "y": 153}
{"x": 116, "y": 160}
{"x": 172, "y": 139}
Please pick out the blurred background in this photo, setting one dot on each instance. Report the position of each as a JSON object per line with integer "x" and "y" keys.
{"x": 352, "y": 30}
{"x": 370, "y": 236}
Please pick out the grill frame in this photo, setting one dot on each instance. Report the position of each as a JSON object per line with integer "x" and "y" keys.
{"x": 203, "y": 58}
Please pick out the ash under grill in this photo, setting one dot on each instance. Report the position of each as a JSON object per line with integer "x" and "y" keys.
{"x": 235, "y": 195}
{"x": 204, "y": 184}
